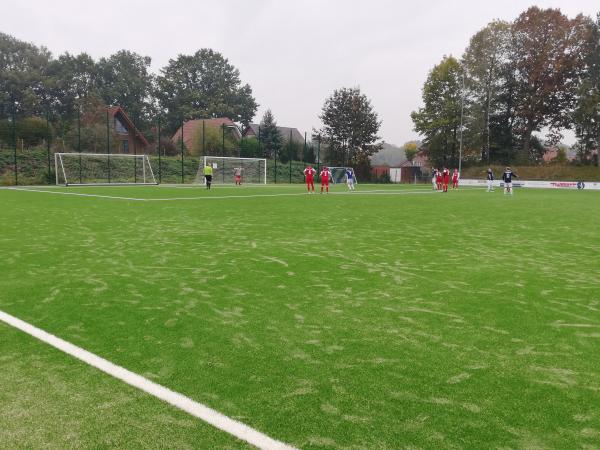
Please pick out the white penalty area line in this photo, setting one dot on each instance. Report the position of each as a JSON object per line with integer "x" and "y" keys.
{"x": 221, "y": 197}
{"x": 202, "y": 412}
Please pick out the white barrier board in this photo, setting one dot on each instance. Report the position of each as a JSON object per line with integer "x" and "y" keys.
{"x": 587, "y": 185}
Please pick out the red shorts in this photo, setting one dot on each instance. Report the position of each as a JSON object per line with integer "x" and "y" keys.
{"x": 238, "y": 178}
{"x": 310, "y": 180}
{"x": 325, "y": 182}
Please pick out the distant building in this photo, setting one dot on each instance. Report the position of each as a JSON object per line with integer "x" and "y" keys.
{"x": 552, "y": 152}
{"x": 131, "y": 140}
{"x": 191, "y": 128}
{"x": 252, "y": 130}
{"x": 421, "y": 159}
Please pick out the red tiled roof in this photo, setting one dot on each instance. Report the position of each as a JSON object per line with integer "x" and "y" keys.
{"x": 190, "y": 128}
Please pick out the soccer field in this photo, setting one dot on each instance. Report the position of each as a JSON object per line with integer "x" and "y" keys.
{"x": 390, "y": 317}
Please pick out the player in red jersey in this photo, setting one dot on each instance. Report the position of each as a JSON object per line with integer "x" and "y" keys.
{"x": 445, "y": 179}
{"x": 455, "y": 179}
{"x": 438, "y": 179}
{"x": 309, "y": 174}
{"x": 325, "y": 176}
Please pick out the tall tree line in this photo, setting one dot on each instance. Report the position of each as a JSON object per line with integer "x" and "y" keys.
{"x": 537, "y": 74}
{"x": 35, "y": 83}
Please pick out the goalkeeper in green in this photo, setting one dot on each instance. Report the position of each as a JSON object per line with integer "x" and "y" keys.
{"x": 208, "y": 173}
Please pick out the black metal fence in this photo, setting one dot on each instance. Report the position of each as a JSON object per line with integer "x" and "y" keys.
{"x": 28, "y": 146}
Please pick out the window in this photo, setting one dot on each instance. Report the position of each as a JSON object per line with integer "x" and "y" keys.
{"x": 125, "y": 146}
{"x": 120, "y": 127}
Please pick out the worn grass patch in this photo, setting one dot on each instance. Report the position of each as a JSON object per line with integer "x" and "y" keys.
{"x": 402, "y": 318}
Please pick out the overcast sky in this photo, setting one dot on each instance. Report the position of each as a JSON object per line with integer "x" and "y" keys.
{"x": 292, "y": 53}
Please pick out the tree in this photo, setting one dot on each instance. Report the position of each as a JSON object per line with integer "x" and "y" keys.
{"x": 203, "y": 85}
{"x": 70, "y": 81}
{"x": 22, "y": 71}
{"x": 350, "y": 124}
{"x": 270, "y": 138}
{"x": 548, "y": 64}
{"x": 250, "y": 148}
{"x": 410, "y": 150}
{"x": 124, "y": 80}
{"x": 439, "y": 119}
{"x": 586, "y": 116}
{"x": 483, "y": 63}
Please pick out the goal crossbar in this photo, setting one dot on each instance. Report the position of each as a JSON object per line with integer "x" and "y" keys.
{"x": 253, "y": 170}
{"x": 103, "y": 169}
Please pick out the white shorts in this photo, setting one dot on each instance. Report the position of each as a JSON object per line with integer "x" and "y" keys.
{"x": 508, "y": 185}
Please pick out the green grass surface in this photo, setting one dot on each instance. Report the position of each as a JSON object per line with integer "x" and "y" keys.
{"x": 400, "y": 318}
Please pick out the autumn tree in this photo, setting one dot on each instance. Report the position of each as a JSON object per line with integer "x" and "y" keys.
{"x": 548, "y": 64}
{"x": 411, "y": 149}
{"x": 586, "y": 116}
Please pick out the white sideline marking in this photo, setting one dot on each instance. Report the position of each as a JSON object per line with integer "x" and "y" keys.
{"x": 203, "y": 412}
{"x": 220, "y": 197}
{"x": 45, "y": 191}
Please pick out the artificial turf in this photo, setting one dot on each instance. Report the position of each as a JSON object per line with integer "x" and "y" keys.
{"x": 399, "y": 318}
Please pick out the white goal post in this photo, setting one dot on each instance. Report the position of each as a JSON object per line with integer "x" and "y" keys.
{"x": 92, "y": 169}
{"x": 339, "y": 174}
{"x": 253, "y": 170}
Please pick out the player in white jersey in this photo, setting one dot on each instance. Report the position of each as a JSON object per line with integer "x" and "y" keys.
{"x": 350, "y": 178}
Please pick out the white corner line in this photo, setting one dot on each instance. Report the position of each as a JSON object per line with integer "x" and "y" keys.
{"x": 202, "y": 412}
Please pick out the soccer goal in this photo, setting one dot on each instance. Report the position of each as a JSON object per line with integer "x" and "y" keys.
{"x": 252, "y": 170}
{"x": 102, "y": 169}
{"x": 339, "y": 174}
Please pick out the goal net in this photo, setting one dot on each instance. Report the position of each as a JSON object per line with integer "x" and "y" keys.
{"x": 102, "y": 168}
{"x": 339, "y": 174}
{"x": 251, "y": 170}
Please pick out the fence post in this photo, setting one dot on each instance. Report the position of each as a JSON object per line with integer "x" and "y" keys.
{"x": 182, "y": 150}
{"x": 134, "y": 151}
{"x": 260, "y": 155}
{"x": 48, "y": 144}
{"x": 304, "y": 151}
{"x": 223, "y": 144}
{"x": 108, "y": 144}
{"x": 159, "y": 157}
{"x": 79, "y": 140}
{"x": 14, "y": 136}
{"x": 203, "y": 139}
{"x": 290, "y": 154}
{"x": 318, "y": 153}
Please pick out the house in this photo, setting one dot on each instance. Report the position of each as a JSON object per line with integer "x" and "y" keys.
{"x": 421, "y": 159}
{"x": 130, "y": 139}
{"x": 552, "y": 153}
{"x": 404, "y": 173}
{"x": 379, "y": 171}
{"x": 252, "y": 131}
{"x": 192, "y": 128}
